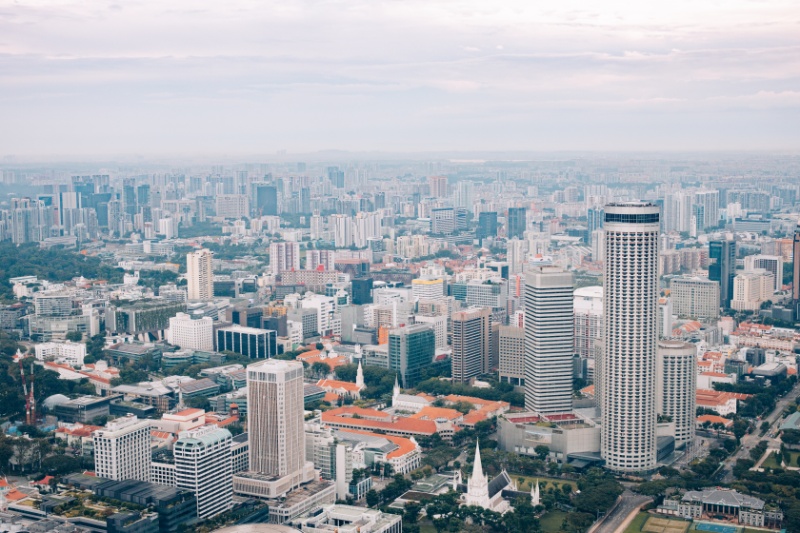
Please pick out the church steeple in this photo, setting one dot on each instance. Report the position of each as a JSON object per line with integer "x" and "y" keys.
{"x": 477, "y": 469}
{"x": 478, "y": 485}
{"x": 360, "y": 376}
{"x": 535, "y": 499}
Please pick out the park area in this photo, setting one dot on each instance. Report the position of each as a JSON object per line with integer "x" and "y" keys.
{"x": 772, "y": 460}
{"x": 647, "y": 523}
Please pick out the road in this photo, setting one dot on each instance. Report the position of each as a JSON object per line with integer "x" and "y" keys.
{"x": 629, "y": 503}
{"x": 748, "y": 441}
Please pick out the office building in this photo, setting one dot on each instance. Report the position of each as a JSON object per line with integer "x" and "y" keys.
{"x": 676, "y": 384}
{"x": 471, "y": 343}
{"x": 487, "y": 225}
{"x": 630, "y": 333}
{"x": 516, "y": 223}
{"x": 796, "y": 272}
{"x": 549, "y": 340}
{"x": 439, "y": 325}
{"x": 512, "y": 355}
{"x": 255, "y": 343}
{"x": 266, "y": 200}
{"x": 122, "y": 449}
{"x": 275, "y": 429}
{"x": 411, "y": 348}
{"x": 361, "y": 291}
{"x": 722, "y": 269}
{"x": 771, "y": 263}
{"x": 695, "y": 297}
{"x": 284, "y": 256}
{"x": 200, "y": 275}
{"x": 438, "y": 186}
{"x": 232, "y": 205}
{"x": 191, "y": 334}
{"x": 587, "y": 308}
{"x": 428, "y": 288}
{"x": 350, "y": 519}
{"x": 203, "y": 465}
{"x": 321, "y": 259}
{"x": 751, "y": 289}
{"x": 443, "y": 220}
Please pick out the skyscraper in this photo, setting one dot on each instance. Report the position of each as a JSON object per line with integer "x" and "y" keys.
{"x": 516, "y": 223}
{"x": 722, "y": 269}
{"x": 630, "y": 335}
{"x": 438, "y": 186}
{"x": 676, "y": 385}
{"x": 122, "y": 449}
{"x": 549, "y": 340}
{"x": 487, "y": 225}
{"x": 200, "y": 275}
{"x": 284, "y": 256}
{"x": 471, "y": 341}
{"x": 275, "y": 430}
{"x": 203, "y": 465}
{"x": 411, "y": 348}
{"x": 266, "y": 200}
{"x": 796, "y": 273}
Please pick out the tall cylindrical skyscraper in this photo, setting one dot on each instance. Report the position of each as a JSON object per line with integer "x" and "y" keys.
{"x": 676, "y": 384}
{"x": 630, "y": 336}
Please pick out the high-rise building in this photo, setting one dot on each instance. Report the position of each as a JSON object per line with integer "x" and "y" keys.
{"x": 549, "y": 340}
{"x": 796, "y": 273}
{"x": 232, "y": 205}
{"x": 722, "y": 269}
{"x": 695, "y": 297}
{"x": 676, "y": 383}
{"x": 438, "y": 186}
{"x": 411, "y": 348}
{"x": 200, "y": 275}
{"x": 516, "y": 223}
{"x": 752, "y": 288}
{"x": 321, "y": 258}
{"x": 361, "y": 290}
{"x": 630, "y": 334}
{"x": 487, "y": 225}
{"x": 443, "y": 220}
{"x": 588, "y": 321}
{"x": 122, "y": 449}
{"x": 266, "y": 200}
{"x": 255, "y": 343}
{"x": 464, "y": 194}
{"x": 771, "y": 263}
{"x": 203, "y": 465}
{"x": 191, "y": 334}
{"x": 512, "y": 355}
{"x": 709, "y": 201}
{"x": 471, "y": 343}
{"x": 284, "y": 256}
{"x": 275, "y": 430}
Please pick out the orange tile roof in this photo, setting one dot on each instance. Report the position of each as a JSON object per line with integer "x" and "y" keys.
{"x": 400, "y": 425}
{"x": 474, "y": 417}
{"x": 331, "y": 397}
{"x": 432, "y": 413}
{"x": 404, "y": 445}
{"x": 714, "y": 419}
{"x": 160, "y": 434}
{"x": 190, "y": 412}
{"x": 335, "y": 384}
{"x": 15, "y": 495}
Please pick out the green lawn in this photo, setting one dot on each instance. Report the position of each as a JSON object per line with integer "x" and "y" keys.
{"x": 544, "y": 482}
{"x": 771, "y": 462}
{"x": 551, "y": 521}
{"x": 426, "y": 527}
{"x": 638, "y": 523}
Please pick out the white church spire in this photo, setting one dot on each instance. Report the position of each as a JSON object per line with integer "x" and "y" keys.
{"x": 360, "y": 376}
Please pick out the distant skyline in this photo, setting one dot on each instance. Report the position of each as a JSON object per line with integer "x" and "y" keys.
{"x": 179, "y": 78}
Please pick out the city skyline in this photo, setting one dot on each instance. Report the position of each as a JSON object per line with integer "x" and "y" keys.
{"x": 80, "y": 80}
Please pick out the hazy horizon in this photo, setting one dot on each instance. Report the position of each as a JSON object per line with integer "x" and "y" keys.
{"x": 94, "y": 80}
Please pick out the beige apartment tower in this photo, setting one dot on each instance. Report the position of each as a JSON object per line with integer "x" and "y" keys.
{"x": 200, "y": 275}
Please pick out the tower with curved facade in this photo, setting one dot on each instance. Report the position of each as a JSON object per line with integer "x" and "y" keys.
{"x": 630, "y": 337}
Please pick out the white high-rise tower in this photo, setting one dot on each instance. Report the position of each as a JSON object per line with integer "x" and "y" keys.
{"x": 630, "y": 336}
{"x": 200, "y": 275}
{"x": 549, "y": 340}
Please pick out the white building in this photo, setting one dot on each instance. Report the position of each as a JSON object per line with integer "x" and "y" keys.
{"x": 439, "y": 324}
{"x": 325, "y": 307}
{"x": 69, "y": 353}
{"x": 587, "y": 308}
{"x": 284, "y": 256}
{"x": 676, "y": 382}
{"x": 200, "y": 275}
{"x": 351, "y": 519}
{"x": 191, "y": 334}
{"x": 203, "y": 465}
{"x": 233, "y": 205}
{"x": 512, "y": 355}
{"x": 549, "y": 340}
{"x": 122, "y": 449}
{"x": 428, "y": 288}
{"x": 342, "y": 230}
{"x": 771, "y": 263}
{"x": 627, "y": 366}
{"x": 324, "y": 258}
{"x": 695, "y": 297}
{"x": 751, "y": 289}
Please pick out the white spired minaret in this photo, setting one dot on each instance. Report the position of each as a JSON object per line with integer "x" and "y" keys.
{"x": 478, "y": 485}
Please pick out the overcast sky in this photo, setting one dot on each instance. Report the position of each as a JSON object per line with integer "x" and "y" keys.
{"x": 246, "y": 77}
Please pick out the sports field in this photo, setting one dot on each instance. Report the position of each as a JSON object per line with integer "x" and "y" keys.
{"x": 716, "y": 528}
{"x": 656, "y": 524}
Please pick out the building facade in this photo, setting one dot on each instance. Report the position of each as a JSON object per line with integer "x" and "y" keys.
{"x": 122, "y": 449}
{"x": 192, "y": 334}
{"x": 200, "y": 275}
{"x": 203, "y": 465}
{"x": 676, "y": 384}
{"x": 471, "y": 343}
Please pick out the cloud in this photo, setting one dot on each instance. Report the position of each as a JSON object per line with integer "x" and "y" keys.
{"x": 381, "y": 74}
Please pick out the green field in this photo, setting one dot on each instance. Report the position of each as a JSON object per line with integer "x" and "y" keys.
{"x": 544, "y": 482}
{"x": 551, "y": 521}
{"x": 772, "y": 462}
{"x": 637, "y": 523}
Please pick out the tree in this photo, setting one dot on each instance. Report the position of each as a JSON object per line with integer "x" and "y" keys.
{"x": 59, "y": 465}
{"x": 372, "y": 498}
{"x": 542, "y": 451}
{"x": 74, "y": 336}
{"x": 320, "y": 369}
